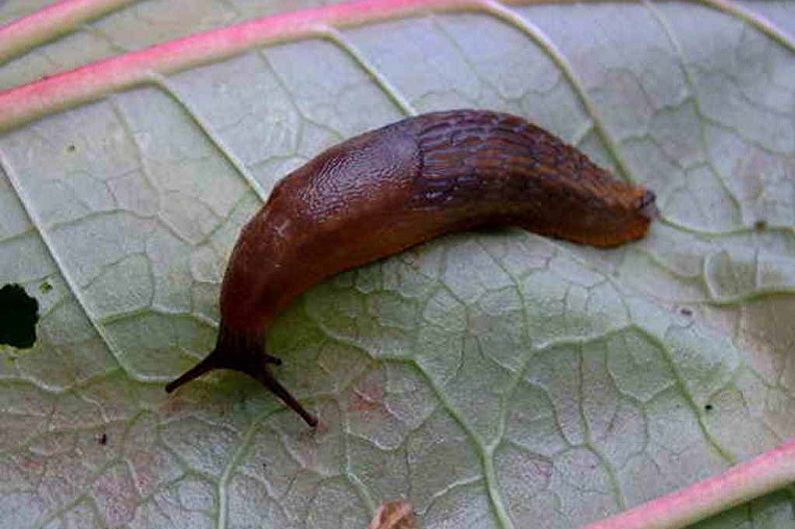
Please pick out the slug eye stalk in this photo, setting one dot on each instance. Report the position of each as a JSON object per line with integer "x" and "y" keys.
{"x": 251, "y": 365}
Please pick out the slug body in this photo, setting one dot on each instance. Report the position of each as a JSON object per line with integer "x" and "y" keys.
{"x": 395, "y": 187}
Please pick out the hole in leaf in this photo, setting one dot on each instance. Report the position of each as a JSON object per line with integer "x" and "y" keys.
{"x": 19, "y": 314}
{"x": 708, "y": 407}
{"x": 103, "y": 439}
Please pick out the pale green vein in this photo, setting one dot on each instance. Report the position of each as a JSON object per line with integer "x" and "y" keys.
{"x": 214, "y": 138}
{"x": 580, "y": 134}
{"x": 104, "y": 36}
{"x": 742, "y": 134}
{"x": 691, "y": 84}
{"x": 286, "y": 88}
{"x": 451, "y": 487}
{"x": 223, "y": 481}
{"x": 486, "y": 450}
{"x": 230, "y": 5}
{"x": 527, "y": 356}
{"x": 679, "y": 380}
{"x": 84, "y": 493}
{"x": 683, "y": 390}
{"x": 74, "y": 502}
{"x": 753, "y": 19}
{"x": 156, "y": 309}
{"x": 493, "y": 487}
{"x": 756, "y": 295}
{"x": 724, "y": 301}
{"x": 535, "y": 33}
{"x": 353, "y": 479}
{"x": 521, "y": 371}
{"x": 463, "y": 56}
{"x": 361, "y": 491}
{"x": 19, "y": 236}
{"x": 37, "y": 223}
{"x": 145, "y": 170}
{"x": 741, "y": 230}
{"x": 338, "y": 38}
{"x": 83, "y": 384}
{"x": 94, "y": 215}
{"x": 577, "y": 341}
{"x": 615, "y": 483}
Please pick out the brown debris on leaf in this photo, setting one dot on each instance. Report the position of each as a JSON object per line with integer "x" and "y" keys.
{"x": 394, "y": 515}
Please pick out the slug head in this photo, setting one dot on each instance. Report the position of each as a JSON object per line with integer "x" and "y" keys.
{"x": 244, "y": 353}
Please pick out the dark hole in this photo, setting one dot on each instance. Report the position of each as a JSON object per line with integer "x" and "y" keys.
{"x": 71, "y": 148}
{"x": 708, "y": 407}
{"x": 760, "y": 225}
{"x": 685, "y": 311}
{"x": 103, "y": 439}
{"x": 18, "y": 316}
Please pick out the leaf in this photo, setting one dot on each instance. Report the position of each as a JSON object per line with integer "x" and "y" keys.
{"x": 492, "y": 380}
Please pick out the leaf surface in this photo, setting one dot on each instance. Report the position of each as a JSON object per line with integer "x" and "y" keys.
{"x": 492, "y": 380}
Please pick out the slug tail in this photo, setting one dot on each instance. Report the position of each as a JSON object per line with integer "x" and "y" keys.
{"x": 205, "y": 366}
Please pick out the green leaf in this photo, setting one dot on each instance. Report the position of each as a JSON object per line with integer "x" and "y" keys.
{"x": 493, "y": 380}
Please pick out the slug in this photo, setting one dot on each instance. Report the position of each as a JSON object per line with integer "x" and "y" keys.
{"x": 395, "y": 187}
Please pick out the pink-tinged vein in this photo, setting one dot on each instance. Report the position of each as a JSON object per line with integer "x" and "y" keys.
{"x": 54, "y": 20}
{"x": 57, "y": 92}
{"x": 764, "y": 474}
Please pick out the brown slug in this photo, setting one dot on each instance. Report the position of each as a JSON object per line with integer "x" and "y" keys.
{"x": 398, "y": 186}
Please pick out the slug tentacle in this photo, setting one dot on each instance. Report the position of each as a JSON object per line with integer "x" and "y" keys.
{"x": 209, "y": 363}
{"x": 245, "y": 359}
{"x": 398, "y": 186}
{"x": 269, "y": 381}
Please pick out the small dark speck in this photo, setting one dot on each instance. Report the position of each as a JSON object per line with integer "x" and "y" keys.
{"x": 760, "y": 225}
{"x": 45, "y": 287}
{"x": 684, "y": 311}
{"x": 103, "y": 439}
{"x": 264, "y": 466}
{"x": 71, "y": 148}
{"x": 708, "y": 407}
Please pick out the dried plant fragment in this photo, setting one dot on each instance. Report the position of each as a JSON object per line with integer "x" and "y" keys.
{"x": 394, "y": 515}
